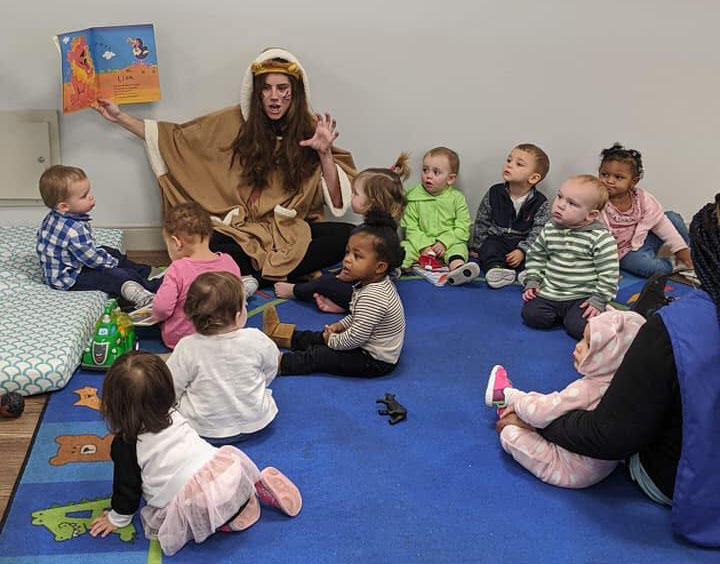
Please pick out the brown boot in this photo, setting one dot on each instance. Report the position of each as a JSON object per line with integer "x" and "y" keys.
{"x": 280, "y": 333}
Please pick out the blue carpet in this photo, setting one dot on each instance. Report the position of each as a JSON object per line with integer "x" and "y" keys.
{"x": 435, "y": 488}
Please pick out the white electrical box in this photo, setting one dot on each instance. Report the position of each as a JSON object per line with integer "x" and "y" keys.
{"x": 29, "y": 144}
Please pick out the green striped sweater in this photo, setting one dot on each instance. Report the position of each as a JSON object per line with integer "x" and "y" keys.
{"x": 570, "y": 264}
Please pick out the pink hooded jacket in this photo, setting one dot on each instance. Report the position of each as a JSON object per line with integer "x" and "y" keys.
{"x": 611, "y": 334}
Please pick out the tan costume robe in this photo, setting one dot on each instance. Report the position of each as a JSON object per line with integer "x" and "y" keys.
{"x": 192, "y": 162}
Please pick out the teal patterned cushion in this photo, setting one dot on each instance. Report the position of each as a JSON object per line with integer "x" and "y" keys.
{"x": 42, "y": 331}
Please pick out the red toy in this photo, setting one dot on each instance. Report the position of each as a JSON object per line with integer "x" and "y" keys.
{"x": 430, "y": 262}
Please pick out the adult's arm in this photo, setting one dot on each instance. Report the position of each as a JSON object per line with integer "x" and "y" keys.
{"x": 322, "y": 141}
{"x": 634, "y": 407}
{"x": 331, "y": 177}
{"x": 111, "y": 112}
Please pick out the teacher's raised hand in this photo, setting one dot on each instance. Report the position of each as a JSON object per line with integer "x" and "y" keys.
{"x": 112, "y": 112}
{"x": 107, "y": 109}
{"x": 324, "y": 135}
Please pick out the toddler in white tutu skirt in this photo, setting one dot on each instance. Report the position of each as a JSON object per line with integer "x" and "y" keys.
{"x": 191, "y": 488}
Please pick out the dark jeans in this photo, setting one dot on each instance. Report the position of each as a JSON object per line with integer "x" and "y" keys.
{"x": 311, "y": 354}
{"x": 542, "y": 313}
{"x": 492, "y": 252}
{"x": 329, "y": 286}
{"x": 110, "y": 280}
{"x": 327, "y": 247}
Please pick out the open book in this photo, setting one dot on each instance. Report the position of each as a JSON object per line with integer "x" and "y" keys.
{"x": 118, "y": 63}
{"x": 143, "y": 317}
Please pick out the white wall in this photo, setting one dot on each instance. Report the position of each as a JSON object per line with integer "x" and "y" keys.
{"x": 476, "y": 75}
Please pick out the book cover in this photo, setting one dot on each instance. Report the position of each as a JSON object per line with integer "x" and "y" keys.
{"x": 116, "y": 62}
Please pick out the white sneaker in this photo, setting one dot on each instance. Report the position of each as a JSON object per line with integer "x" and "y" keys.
{"x": 463, "y": 274}
{"x": 250, "y": 284}
{"x": 499, "y": 277}
{"x": 690, "y": 276}
{"x": 134, "y": 292}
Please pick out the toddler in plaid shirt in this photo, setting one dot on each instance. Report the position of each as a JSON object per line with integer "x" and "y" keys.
{"x": 66, "y": 246}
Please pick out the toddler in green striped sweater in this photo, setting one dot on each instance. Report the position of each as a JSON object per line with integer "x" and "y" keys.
{"x": 572, "y": 268}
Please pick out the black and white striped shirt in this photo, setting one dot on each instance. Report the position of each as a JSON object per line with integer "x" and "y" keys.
{"x": 376, "y": 322}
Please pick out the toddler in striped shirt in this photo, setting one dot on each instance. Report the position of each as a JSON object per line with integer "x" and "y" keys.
{"x": 572, "y": 268}
{"x": 368, "y": 341}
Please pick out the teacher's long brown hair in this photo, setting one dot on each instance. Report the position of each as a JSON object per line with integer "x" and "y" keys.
{"x": 255, "y": 145}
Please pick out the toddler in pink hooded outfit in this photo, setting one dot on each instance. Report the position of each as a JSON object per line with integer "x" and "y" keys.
{"x": 606, "y": 340}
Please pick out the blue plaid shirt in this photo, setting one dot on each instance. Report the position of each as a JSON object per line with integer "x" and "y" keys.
{"x": 65, "y": 244}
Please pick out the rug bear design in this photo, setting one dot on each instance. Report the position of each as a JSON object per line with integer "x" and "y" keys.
{"x": 82, "y": 448}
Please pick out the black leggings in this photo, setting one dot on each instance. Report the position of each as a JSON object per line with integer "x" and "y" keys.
{"x": 542, "y": 313}
{"x": 327, "y": 247}
{"x": 327, "y": 285}
{"x": 310, "y": 354}
{"x": 493, "y": 250}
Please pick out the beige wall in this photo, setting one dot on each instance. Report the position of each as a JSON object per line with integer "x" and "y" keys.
{"x": 478, "y": 76}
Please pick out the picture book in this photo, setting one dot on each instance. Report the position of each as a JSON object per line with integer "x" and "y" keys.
{"x": 118, "y": 63}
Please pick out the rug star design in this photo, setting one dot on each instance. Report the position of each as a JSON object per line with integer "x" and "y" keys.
{"x": 88, "y": 398}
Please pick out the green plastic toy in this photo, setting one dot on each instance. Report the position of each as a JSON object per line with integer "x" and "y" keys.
{"x": 114, "y": 336}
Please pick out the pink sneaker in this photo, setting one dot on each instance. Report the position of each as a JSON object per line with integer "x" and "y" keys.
{"x": 495, "y": 390}
{"x": 245, "y": 519}
{"x": 275, "y": 488}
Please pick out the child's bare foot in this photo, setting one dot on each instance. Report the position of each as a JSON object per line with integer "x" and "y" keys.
{"x": 457, "y": 263}
{"x": 284, "y": 290}
{"x": 327, "y": 305}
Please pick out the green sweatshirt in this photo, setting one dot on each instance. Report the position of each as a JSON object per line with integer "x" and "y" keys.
{"x": 428, "y": 219}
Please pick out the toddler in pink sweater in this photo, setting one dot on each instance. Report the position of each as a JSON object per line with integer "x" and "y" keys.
{"x": 637, "y": 220}
{"x": 186, "y": 232}
{"x": 606, "y": 339}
